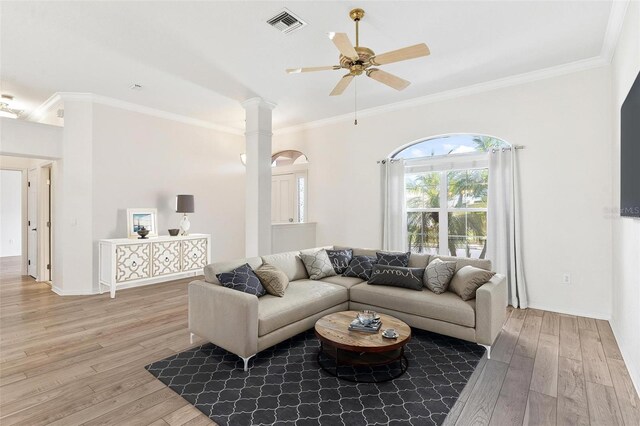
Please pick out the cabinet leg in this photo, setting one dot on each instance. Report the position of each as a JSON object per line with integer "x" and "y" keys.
{"x": 113, "y": 291}
{"x": 192, "y": 338}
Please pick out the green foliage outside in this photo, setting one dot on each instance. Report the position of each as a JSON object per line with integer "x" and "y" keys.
{"x": 465, "y": 189}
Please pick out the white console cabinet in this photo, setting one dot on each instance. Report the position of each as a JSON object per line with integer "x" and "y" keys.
{"x": 129, "y": 262}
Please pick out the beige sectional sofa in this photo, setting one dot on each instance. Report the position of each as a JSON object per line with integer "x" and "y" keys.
{"x": 245, "y": 324}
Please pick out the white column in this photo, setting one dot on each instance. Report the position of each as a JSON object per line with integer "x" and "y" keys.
{"x": 258, "y": 183}
{"x": 73, "y": 201}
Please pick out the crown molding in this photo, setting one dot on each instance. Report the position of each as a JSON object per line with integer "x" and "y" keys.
{"x": 515, "y": 80}
{"x": 37, "y": 114}
{"x": 614, "y": 28}
{"x": 258, "y": 101}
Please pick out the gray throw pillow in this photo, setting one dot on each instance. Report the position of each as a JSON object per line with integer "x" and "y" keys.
{"x": 273, "y": 279}
{"x": 392, "y": 258}
{"x": 397, "y": 276}
{"x": 243, "y": 279}
{"x": 438, "y": 275}
{"x": 340, "y": 259}
{"x": 467, "y": 280}
{"x": 318, "y": 264}
{"x": 360, "y": 267}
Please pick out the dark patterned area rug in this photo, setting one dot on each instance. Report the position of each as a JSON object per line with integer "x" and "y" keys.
{"x": 286, "y": 386}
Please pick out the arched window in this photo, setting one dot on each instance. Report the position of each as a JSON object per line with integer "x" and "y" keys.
{"x": 446, "y": 193}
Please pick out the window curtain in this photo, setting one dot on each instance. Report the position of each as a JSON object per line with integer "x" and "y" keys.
{"x": 394, "y": 214}
{"x": 503, "y": 223}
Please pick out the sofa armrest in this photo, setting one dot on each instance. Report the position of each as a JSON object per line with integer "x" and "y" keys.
{"x": 491, "y": 309}
{"x": 227, "y": 318}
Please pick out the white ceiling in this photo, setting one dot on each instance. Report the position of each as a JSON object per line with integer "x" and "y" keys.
{"x": 200, "y": 59}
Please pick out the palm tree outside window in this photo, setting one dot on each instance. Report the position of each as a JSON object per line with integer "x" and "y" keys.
{"x": 446, "y": 191}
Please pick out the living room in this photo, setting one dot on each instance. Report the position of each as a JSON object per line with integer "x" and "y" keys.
{"x": 508, "y": 146}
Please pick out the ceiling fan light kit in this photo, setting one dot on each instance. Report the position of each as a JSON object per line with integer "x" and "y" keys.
{"x": 360, "y": 60}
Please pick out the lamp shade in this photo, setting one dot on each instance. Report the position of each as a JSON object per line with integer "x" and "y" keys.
{"x": 184, "y": 204}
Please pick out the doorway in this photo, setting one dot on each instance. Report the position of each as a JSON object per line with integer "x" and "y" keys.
{"x": 27, "y": 217}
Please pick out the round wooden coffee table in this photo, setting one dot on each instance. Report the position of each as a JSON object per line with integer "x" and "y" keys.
{"x": 357, "y": 348}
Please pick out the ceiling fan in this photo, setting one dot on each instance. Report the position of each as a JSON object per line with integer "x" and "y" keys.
{"x": 362, "y": 60}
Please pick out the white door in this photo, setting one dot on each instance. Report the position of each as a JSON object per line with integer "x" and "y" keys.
{"x": 32, "y": 223}
{"x": 283, "y": 198}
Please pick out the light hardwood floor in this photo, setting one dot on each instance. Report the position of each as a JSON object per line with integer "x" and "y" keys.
{"x": 80, "y": 360}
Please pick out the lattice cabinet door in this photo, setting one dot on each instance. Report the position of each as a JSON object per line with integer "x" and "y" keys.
{"x": 166, "y": 257}
{"x": 133, "y": 262}
{"x": 194, "y": 254}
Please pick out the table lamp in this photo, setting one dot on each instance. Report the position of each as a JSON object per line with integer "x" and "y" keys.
{"x": 184, "y": 204}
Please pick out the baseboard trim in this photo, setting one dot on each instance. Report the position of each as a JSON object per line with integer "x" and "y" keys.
{"x": 628, "y": 362}
{"x": 576, "y": 312}
{"x": 60, "y": 292}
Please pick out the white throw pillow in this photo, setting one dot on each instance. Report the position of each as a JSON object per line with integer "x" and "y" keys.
{"x": 318, "y": 264}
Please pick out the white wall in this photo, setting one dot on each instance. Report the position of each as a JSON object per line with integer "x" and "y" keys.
{"x": 28, "y": 139}
{"x": 145, "y": 161}
{"x": 10, "y": 213}
{"x": 565, "y": 124}
{"x": 626, "y": 231}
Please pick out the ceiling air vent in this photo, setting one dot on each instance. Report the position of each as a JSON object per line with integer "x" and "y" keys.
{"x": 286, "y": 22}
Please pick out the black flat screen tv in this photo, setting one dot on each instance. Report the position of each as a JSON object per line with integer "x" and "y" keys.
{"x": 630, "y": 153}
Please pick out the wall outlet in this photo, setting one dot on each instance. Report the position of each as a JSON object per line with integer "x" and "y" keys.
{"x": 566, "y": 278}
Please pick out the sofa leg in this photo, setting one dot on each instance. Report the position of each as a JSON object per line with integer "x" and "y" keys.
{"x": 488, "y": 348}
{"x": 246, "y": 362}
{"x": 192, "y": 338}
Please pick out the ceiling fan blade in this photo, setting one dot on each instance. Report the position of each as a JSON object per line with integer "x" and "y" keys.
{"x": 388, "y": 79}
{"x": 342, "y": 85}
{"x": 344, "y": 45}
{"x": 311, "y": 69}
{"x": 403, "y": 54}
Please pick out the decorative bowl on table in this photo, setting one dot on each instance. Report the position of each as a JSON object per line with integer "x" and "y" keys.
{"x": 174, "y": 232}
{"x": 367, "y": 317}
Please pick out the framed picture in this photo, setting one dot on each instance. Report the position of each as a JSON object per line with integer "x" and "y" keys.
{"x": 137, "y": 218}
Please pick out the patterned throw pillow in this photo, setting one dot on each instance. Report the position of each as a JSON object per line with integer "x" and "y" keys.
{"x": 393, "y": 258}
{"x": 360, "y": 267}
{"x": 340, "y": 259}
{"x": 467, "y": 280}
{"x": 317, "y": 263}
{"x": 438, "y": 275}
{"x": 273, "y": 279}
{"x": 242, "y": 279}
{"x": 397, "y": 276}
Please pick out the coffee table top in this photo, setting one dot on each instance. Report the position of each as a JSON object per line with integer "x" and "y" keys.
{"x": 334, "y": 330}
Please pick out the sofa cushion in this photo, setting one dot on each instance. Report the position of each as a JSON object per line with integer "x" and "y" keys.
{"x": 317, "y": 263}
{"x": 212, "y": 270}
{"x": 437, "y": 275}
{"x": 448, "y": 307}
{"x": 302, "y": 299}
{"x": 243, "y": 279}
{"x": 273, "y": 279}
{"x": 465, "y": 261}
{"x": 467, "y": 280}
{"x": 340, "y": 259}
{"x": 419, "y": 260}
{"x": 397, "y": 276}
{"x": 346, "y": 282}
{"x": 289, "y": 263}
{"x": 388, "y": 258}
{"x": 360, "y": 267}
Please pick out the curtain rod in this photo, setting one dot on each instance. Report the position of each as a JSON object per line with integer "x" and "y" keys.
{"x": 518, "y": 147}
